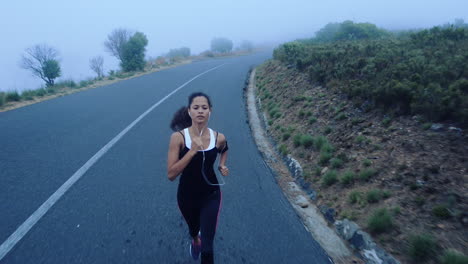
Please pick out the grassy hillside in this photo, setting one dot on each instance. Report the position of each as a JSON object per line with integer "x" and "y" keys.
{"x": 399, "y": 179}
{"x": 416, "y": 73}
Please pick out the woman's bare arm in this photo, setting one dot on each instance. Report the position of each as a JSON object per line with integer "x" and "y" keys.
{"x": 222, "y": 160}
{"x": 174, "y": 165}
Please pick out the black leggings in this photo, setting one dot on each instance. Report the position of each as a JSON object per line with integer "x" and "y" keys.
{"x": 201, "y": 215}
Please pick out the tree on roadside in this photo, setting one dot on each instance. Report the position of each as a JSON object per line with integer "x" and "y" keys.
{"x": 42, "y": 61}
{"x": 133, "y": 53}
{"x": 97, "y": 65}
{"x": 348, "y": 30}
{"x": 221, "y": 45}
{"x": 116, "y": 41}
{"x": 247, "y": 45}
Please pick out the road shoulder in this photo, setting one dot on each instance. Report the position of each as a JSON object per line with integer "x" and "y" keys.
{"x": 311, "y": 218}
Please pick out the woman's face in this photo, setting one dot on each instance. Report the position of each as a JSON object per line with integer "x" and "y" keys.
{"x": 199, "y": 109}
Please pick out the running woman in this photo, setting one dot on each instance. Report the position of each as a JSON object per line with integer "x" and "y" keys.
{"x": 193, "y": 149}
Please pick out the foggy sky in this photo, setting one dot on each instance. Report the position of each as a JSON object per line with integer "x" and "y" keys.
{"x": 78, "y": 29}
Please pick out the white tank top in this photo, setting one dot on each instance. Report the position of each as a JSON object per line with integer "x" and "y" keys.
{"x": 188, "y": 140}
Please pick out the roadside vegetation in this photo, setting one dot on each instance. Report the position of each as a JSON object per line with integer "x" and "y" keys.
{"x": 127, "y": 46}
{"x": 422, "y": 72}
{"x": 349, "y": 106}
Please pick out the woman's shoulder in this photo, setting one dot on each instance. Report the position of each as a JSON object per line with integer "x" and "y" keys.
{"x": 177, "y": 135}
{"x": 220, "y": 136}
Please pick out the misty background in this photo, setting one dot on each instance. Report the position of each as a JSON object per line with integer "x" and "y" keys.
{"x": 78, "y": 29}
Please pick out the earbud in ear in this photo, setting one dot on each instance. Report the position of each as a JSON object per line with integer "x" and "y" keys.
{"x": 189, "y": 114}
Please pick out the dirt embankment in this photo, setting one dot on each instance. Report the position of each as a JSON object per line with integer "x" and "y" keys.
{"x": 416, "y": 173}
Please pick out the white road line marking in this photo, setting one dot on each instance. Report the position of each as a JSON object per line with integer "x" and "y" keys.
{"x": 42, "y": 210}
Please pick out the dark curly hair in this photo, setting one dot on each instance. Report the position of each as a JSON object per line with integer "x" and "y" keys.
{"x": 181, "y": 117}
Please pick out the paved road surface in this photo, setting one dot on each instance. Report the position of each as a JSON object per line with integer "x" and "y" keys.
{"x": 123, "y": 209}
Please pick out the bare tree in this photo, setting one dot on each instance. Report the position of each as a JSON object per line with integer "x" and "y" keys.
{"x": 116, "y": 40}
{"x": 42, "y": 61}
{"x": 97, "y": 65}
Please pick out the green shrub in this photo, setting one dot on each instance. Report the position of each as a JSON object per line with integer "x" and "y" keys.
{"x": 283, "y": 149}
{"x": 360, "y": 139}
{"x": 318, "y": 170}
{"x": 2, "y": 98}
{"x": 441, "y": 211}
{"x": 347, "y": 177}
{"x": 273, "y": 112}
{"x": 299, "y": 98}
{"x": 291, "y": 129}
{"x": 312, "y": 120}
{"x": 336, "y": 163}
{"x": 327, "y": 147}
{"x": 373, "y": 196}
{"x": 453, "y": 257}
{"x": 366, "y": 174}
{"x": 351, "y": 215}
{"x": 271, "y": 106}
{"x": 396, "y": 210}
{"x": 319, "y": 141}
{"x": 66, "y": 83}
{"x": 307, "y": 141}
{"x": 376, "y": 146}
{"x": 297, "y": 140}
{"x": 329, "y": 178}
{"x": 386, "y": 194}
{"x": 41, "y": 92}
{"x": 286, "y": 136}
{"x": 123, "y": 75}
{"x": 327, "y": 130}
{"x": 83, "y": 83}
{"x": 341, "y": 116}
{"x": 426, "y": 126}
{"x": 386, "y": 121}
{"x": 324, "y": 158}
{"x": 380, "y": 221}
{"x": 421, "y": 247}
{"x": 301, "y": 113}
{"x": 356, "y": 121}
{"x": 355, "y": 197}
{"x": 367, "y": 163}
{"x": 12, "y": 96}
{"x": 51, "y": 90}
{"x": 28, "y": 94}
{"x": 270, "y": 122}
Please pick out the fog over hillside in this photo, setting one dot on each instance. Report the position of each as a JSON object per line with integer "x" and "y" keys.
{"x": 78, "y": 30}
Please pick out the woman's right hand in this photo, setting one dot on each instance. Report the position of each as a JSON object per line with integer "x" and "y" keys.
{"x": 196, "y": 144}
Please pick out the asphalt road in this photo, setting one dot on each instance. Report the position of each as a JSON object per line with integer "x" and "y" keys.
{"x": 123, "y": 209}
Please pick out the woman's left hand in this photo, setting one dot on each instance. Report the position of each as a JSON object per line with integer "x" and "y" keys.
{"x": 224, "y": 170}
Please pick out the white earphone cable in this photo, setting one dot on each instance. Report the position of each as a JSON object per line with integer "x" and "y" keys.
{"x": 203, "y": 168}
